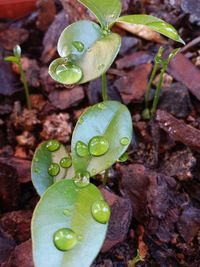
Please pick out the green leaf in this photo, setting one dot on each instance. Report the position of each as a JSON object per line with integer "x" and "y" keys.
{"x": 85, "y": 57}
{"x": 155, "y": 24}
{"x": 106, "y": 11}
{"x": 40, "y": 164}
{"x": 64, "y": 205}
{"x": 11, "y": 59}
{"x": 109, "y": 119}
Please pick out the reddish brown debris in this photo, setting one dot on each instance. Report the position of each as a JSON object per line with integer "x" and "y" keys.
{"x": 17, "y": 224}
{"x": 185, "y": 72}
{"x": 121, "y": 213}
{"x": 45, "y": 7}
{"x": 132, "y": 87}
{"x": 178, "y": 130}
{"x": 11, "y": 37}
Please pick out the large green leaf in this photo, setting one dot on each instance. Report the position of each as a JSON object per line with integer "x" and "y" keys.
{"x": 49, "y": 217}
{"x": 106, "y": 11}
{"x": 109, "y": 119}
{"x": 86, "y": 53}
{"x": 41, "y": 162}
{"x": 155, "y": 24}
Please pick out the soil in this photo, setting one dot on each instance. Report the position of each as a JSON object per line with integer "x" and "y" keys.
{"x": 155, "y": 195}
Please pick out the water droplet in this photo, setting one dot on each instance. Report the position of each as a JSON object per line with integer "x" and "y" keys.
{"x": 80, "y": 121}
{"x": 123, "y": 157}
{"x": 78, "y": 45}
{"x": 124, "y": 141}
{"x": 54, "y": 169}
{"x": 53, "y": 145}
{"x": 37, "y": 170}
{"x": 101, "y": 211}
{"x": 64, "y": 239}
{"x": 98, "y": 146}
{"x": 79, "y": 237}
{"x": 36, "y": 159}
{"x": 68, "y": 73}
{"x": 66, "y": 212}
{"x": 101, "y": 66}
{"x": 81, "y": 149}
{"x": 66, "y": 162}
{"x": 82, "y": 178}
{"x": 101, "y": 106}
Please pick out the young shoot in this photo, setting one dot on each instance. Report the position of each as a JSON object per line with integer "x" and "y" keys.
{"x": 135, "y": 260}
{"x": 159, "y": 61}
{"x": 16, "y": 58}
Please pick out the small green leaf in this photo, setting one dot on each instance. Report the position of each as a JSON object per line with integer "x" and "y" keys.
{"x": 106, "y": 11}
{"x": 65, "y": 206}
{"x": 155, "y": 24}
{"x": 11, "y": 59}
{"x": 106, "y": 128}
{"x": 41, "y": 166}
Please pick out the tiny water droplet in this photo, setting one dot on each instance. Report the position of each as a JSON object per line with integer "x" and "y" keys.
{"x": 101, "y": 106}
{"x": 54, "y": 169}
{"x": 98, "y": 146}
{"x": 78, "y": 45}
{"x": 89, "y": 50}
{"x": 37, "y": 170}
{"x": 82, "y": 178}
{"x": 36, "y": 159}
{"x": 68, "y": 73}
{"x": 79, "y": 237}
{"x": 101, "y": 211}
{"x": 66, "y": 212}
{"x": 64, "y": 239}
{"x": 53, "y": 145}
{"x": 66, "y": 162}
{"x": 101, "y": 66}
{"x": 124, "y": 141}
{"x": 80, "y": 121}
{"x": 81, "y": 149}
{"x": 123, "y": 157}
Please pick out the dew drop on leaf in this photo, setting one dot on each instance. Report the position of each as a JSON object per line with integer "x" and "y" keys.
{"x": 124, "y": 141}
{"x": 82, "y": 178}
{"x": 36, "y": 159}
{"x": 37, "y": 170}
{"x": 80, "y": 121}
{"x": 101, "y": 211}
{"x": 66, "y": 162}
{"x": 98, "y": 146}
{"x": 123, "y": 157}
{"x": 54, "y": 169}
{"x": 79, "y": 237}
{"x": 68, "y": 73}
{"x": 81, "y": 149}
{"x": 101, "y": 66}
{"x": 78, "y": 45}
{"x": 53, "y": 145}
{"x": 101, "y": 106}
{"x": 66, "y": 212}
{"x": 64, "y": 239}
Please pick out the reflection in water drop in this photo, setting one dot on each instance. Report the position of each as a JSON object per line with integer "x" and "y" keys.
{"x": 101, "y": 211}
{"x": 68, "y": 73}
{"x": 53, "y": 145}
{"x": 82, "y": 178}
{"x": 98, "y": 146}
{"x": 54, "y": 169}
{"x": 64, "y": 239}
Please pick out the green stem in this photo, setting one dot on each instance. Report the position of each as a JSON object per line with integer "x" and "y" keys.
{"x": 158, "y": 89}
{"x": 23, "y": 79}
{"x": 104, "y": 87}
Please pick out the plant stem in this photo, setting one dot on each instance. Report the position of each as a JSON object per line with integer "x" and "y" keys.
{"x": 23, "y": 79}
{"x": 158, "y": 89}
{"x": 104, "y": 87}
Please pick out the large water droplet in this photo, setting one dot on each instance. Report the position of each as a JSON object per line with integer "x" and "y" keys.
{"x": 68, "y": 73}
{"x": 81, "y": 149}
{"x": 124, "y": 141}
{"x": 54, "y": 169}
{"x": 64, "y": 239}
{"x": 66, "y": 162}
{"x": 98, "y": 146}
{"x": 78, "y": 45}
{"x": 52, "y": 145}
{"x": 101, "y": 66}
{"x": 101, "y": 211}
{"x": 82, "y": 178}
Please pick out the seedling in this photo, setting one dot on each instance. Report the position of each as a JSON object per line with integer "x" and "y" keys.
{"x": 135, "y": 260}
{"x": 71, "y": 219}
{"x": 147, "y": 114}
{"x": 16, "y": 58}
